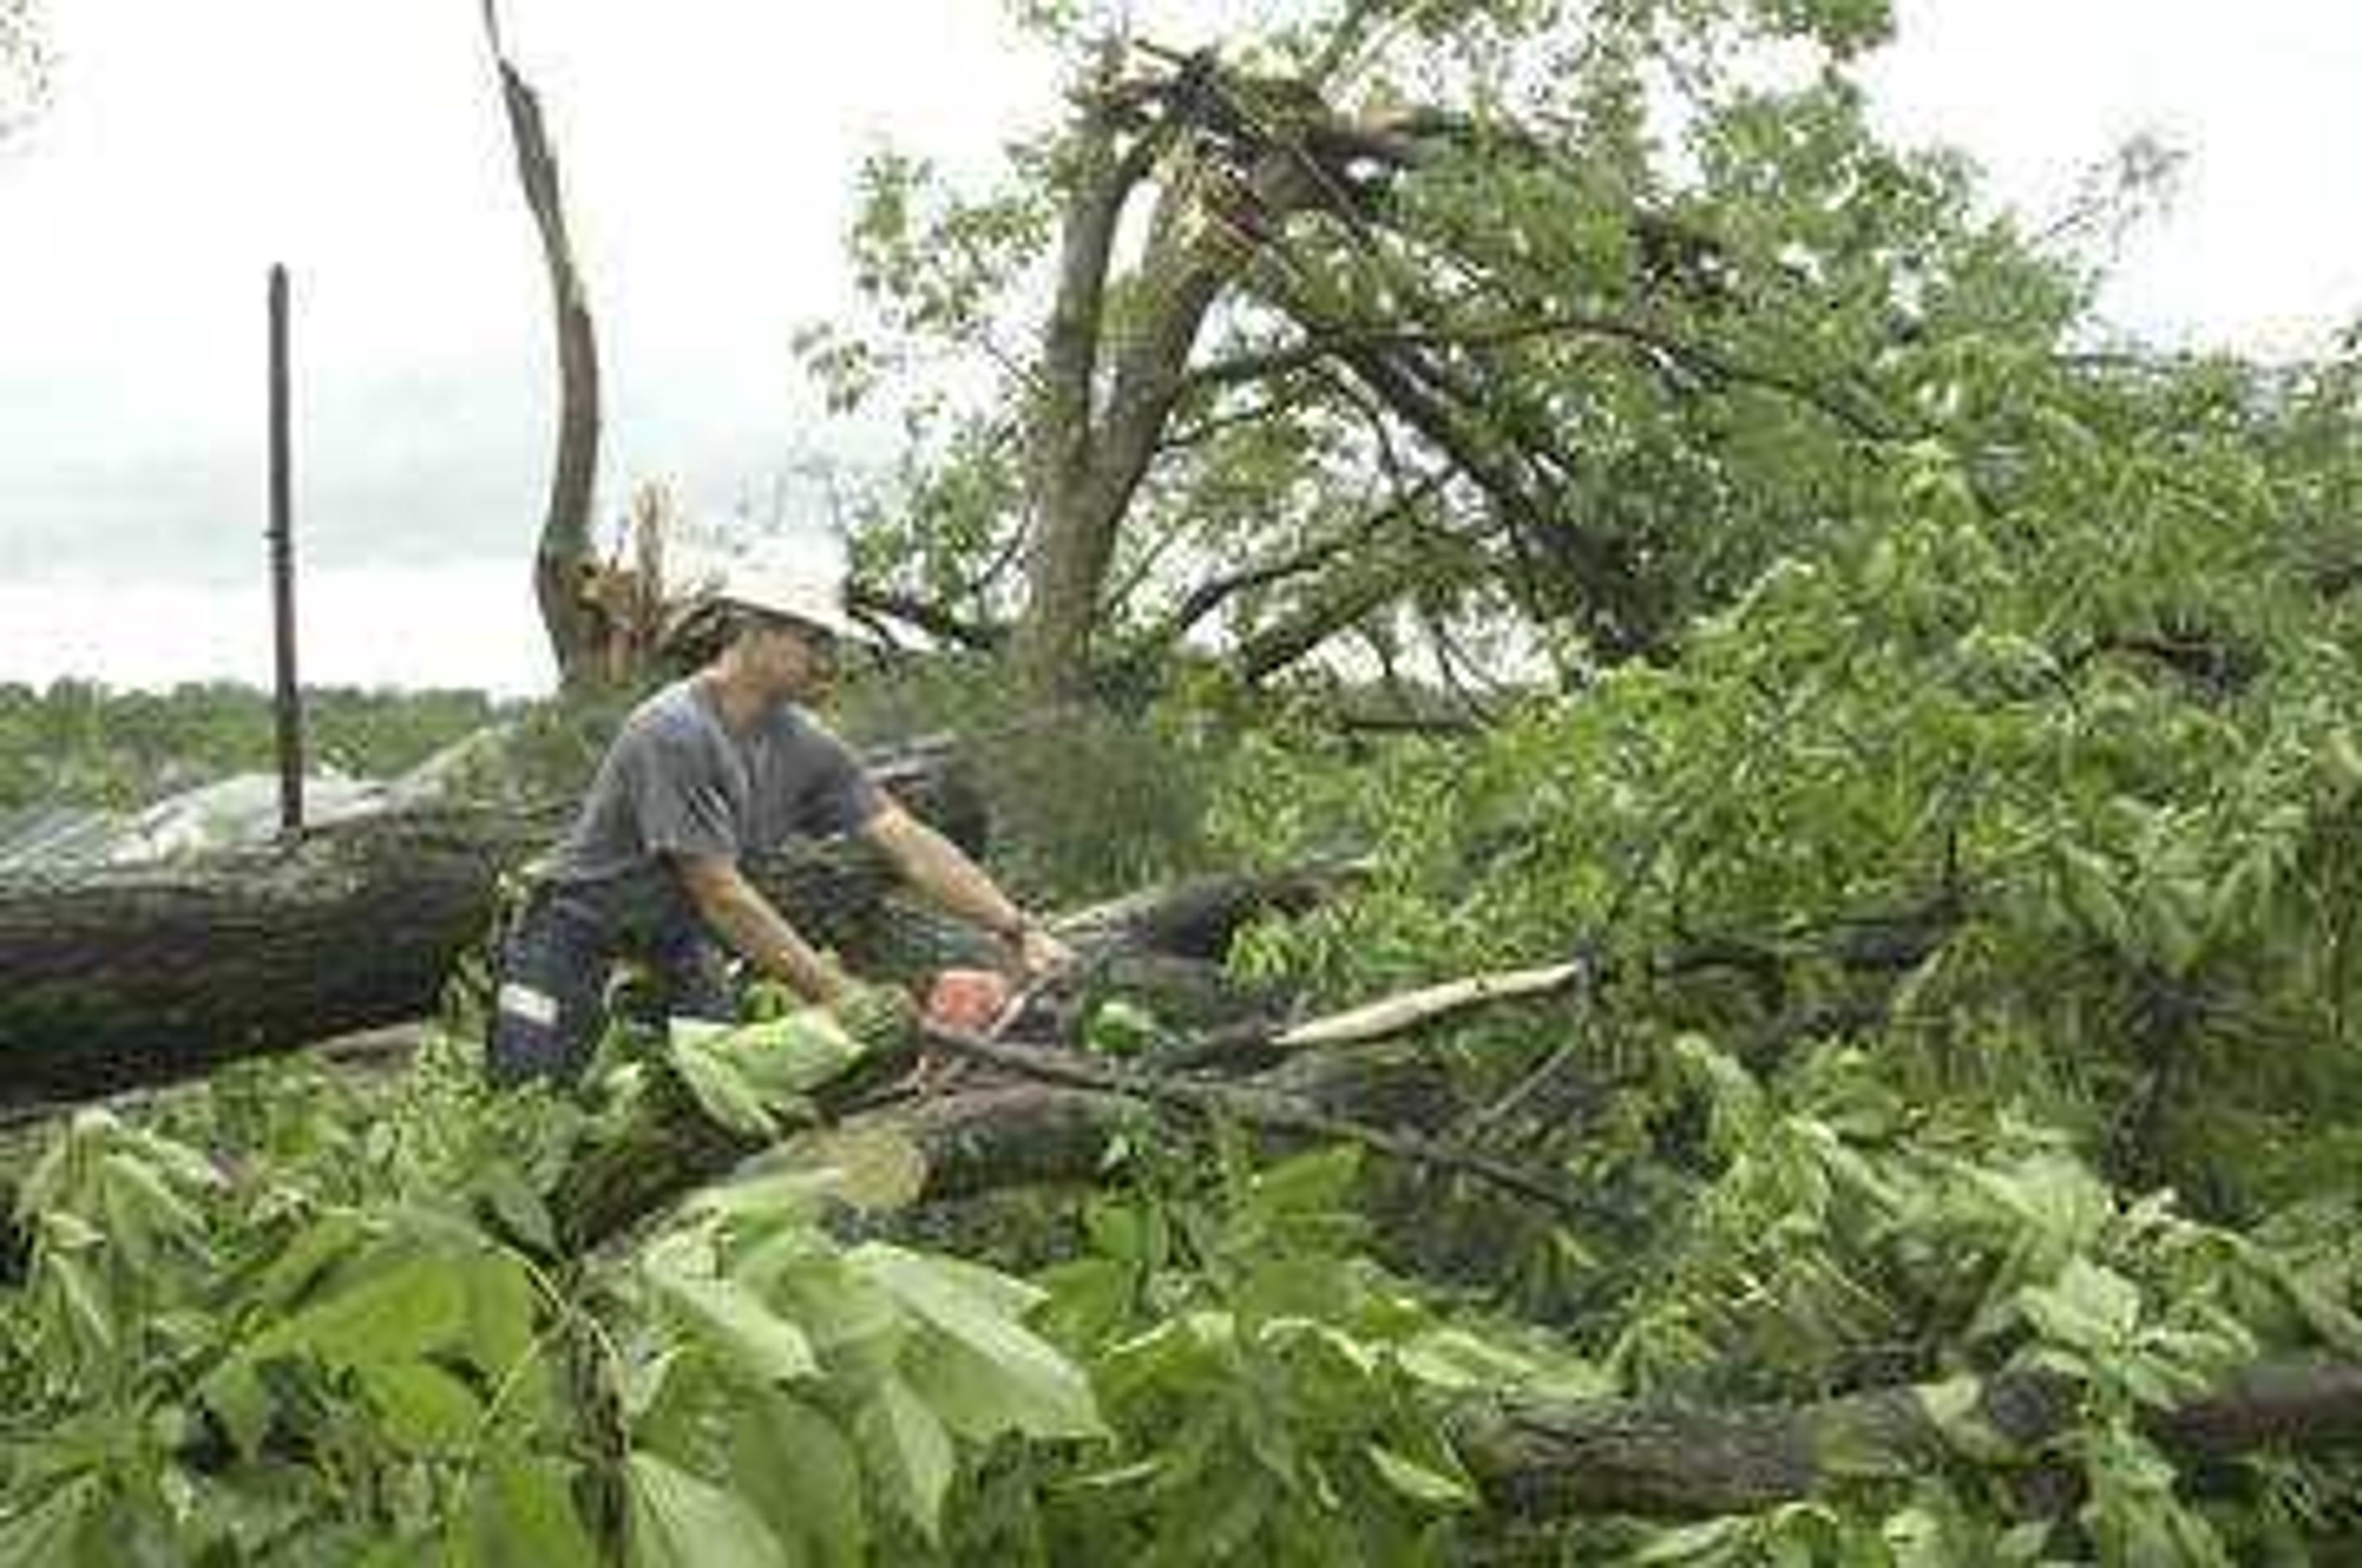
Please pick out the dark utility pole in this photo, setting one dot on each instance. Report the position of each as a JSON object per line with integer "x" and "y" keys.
{"x": 283, "y": 572}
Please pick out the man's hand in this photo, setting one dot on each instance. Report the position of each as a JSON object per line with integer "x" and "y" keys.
{"x": 1037, "y": 953}
{"x": 878, "y": 1016}
{"x": 937, "y": 868}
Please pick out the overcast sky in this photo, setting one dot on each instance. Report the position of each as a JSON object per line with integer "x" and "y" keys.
{"x": 707, "y": 148}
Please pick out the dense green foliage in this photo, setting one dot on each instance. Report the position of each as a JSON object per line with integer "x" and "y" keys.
{"x": 1968, "y": 910}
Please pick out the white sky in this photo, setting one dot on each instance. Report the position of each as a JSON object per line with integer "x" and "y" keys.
{"x": 708, "y": 147}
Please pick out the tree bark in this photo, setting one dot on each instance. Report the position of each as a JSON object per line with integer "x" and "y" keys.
{"x": 565, "y": 549}
{"x": 1551, "y": 1460}
{"x": 1092, "y": 454}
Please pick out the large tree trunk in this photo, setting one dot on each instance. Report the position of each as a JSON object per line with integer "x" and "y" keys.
{"x": 564, "y": 551}
{"x": 1090, "y": 453}
{"x": 143, "y": 974}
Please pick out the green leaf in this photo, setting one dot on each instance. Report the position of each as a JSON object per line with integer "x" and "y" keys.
{"x": 843, "y": 1311}
{"x": 234, "y": 1394}
{"x": 1427, "y": 1487}
{"x": 874, "y": 1167}
{"x": 1120, "y": 1028}
{"x": 797, "y": 1468}
{"x": 395, "y": 1314}
{"x": 791, "y": 1056}
{"x": 78, "y": 1291}
{"x": 2090, "y": 1307}
{"x": 141, "y": 1210}
{"x": 428, "y": 1410}
{"x": 681, "y": 1521}
{"x": 1456, "y": 1360}
{"x": 770, "y": 1199}
{"x": 1695, "y": 1546}
{"x": 390, "y": 1318}
{"x": 2089, "y": 883}
{"x": 1955, "y": 1408}
{"x": 514, "y": 1205}
{"x": 721, "y": 1089}
{"x": 303, "y": 1262}
{"x": 993, "y": 1374}
{"x": 48, "y": 1531}
{"x": 502, "y": 1304}
{"x": 738, "y": 1324}
{"x": 521, "y": 1514}
{"x": 904, "y": 1445}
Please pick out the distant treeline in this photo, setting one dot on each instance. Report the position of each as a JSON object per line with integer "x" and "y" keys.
{"x": 78, "y": 743}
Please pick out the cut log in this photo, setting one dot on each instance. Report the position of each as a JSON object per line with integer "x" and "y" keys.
{"x": 131, "y": 976}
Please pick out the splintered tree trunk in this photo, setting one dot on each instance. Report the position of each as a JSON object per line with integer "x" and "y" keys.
{"x": 565, "y": 548}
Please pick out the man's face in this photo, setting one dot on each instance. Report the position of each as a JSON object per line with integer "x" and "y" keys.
{"x": 798, "y": 660}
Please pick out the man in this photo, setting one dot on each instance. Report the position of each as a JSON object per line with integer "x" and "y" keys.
{"x": 720, "y": 765}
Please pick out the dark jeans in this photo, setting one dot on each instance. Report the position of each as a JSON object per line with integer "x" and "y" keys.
{"x": 550, "y": 1004}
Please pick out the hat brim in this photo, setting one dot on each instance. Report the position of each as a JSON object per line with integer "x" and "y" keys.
{"x": 836, "y": 622}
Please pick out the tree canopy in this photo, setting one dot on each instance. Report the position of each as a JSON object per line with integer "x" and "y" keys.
{"x": 1424, "y": 328}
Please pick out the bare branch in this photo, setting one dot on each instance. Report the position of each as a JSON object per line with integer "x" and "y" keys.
{"x": 1389, "y": 1018}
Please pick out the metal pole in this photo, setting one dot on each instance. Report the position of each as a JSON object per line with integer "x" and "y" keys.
{"x": 288, "y": 700}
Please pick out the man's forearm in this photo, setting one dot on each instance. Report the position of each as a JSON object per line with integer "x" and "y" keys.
{"x": 758, "y": 934}
{"x": 942, "y": 871}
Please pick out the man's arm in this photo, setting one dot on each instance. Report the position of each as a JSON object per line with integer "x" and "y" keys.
{"x": 940, "y": 869}
{"x": 736, "y": 909}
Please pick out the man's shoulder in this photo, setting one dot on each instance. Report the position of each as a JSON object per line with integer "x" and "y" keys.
{"x": 670, "y": 713}
{"x": 671, "y": 728}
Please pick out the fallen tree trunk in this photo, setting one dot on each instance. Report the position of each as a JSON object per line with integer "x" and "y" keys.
{"x": 1547, "y": 1460}
{"x": 141, "y": 975}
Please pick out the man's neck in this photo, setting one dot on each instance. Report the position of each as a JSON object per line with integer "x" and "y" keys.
{"x": 738, "y": 696}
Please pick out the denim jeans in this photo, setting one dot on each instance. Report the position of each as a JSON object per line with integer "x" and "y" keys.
{"x": 550, "y": 1005}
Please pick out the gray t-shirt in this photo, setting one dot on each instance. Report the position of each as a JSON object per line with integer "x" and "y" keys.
{"x": 679, "y": 781}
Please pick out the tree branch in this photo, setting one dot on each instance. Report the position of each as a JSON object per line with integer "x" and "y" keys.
{"x": 926, "y": 615}
{"x": 1550, "y": 1459}
{"x": 1255, "y": 1108}
{"x": 1338, "y": 342}
{"x": 1211, "y": 595}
